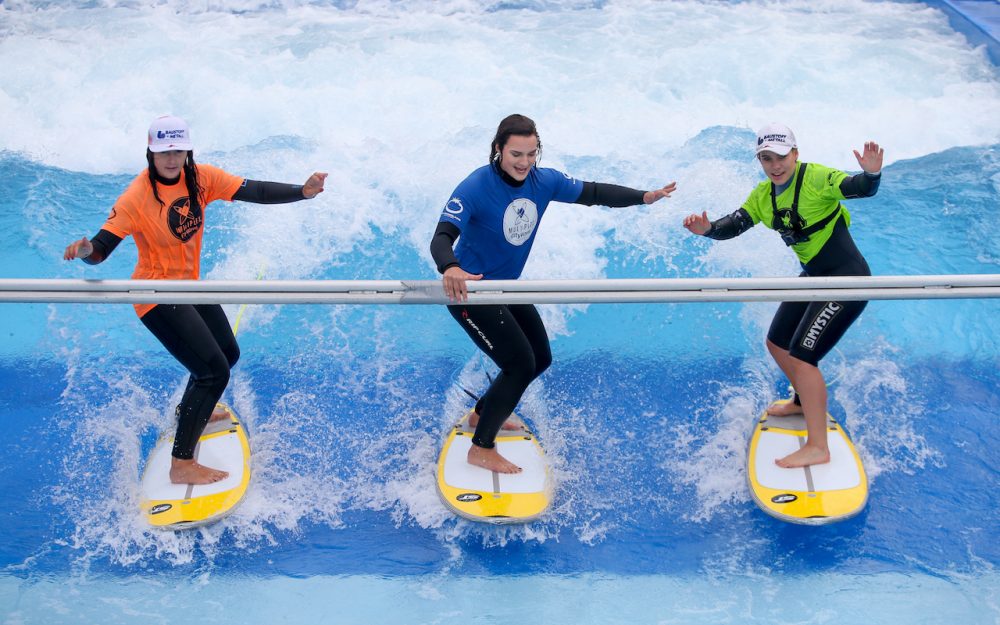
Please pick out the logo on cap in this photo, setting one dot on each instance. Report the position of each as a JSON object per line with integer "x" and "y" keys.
{"x": 170, "y": 134}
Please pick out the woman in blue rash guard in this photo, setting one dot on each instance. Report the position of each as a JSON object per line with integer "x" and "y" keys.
{"x": 814, "y": 223}
{"x": 494, "y": 214}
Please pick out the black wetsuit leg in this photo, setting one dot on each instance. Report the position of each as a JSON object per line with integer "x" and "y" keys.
{"x": 514, "y": 338}
{"x": 809, "y": 330}
{"x": 200, "y": 338}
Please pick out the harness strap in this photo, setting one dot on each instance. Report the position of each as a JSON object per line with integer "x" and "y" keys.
{"x": 819, "y": 225}
{"x": 795, "y": 221}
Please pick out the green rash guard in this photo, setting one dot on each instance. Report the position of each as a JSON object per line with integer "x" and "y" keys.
{"x": 820, "y": 196}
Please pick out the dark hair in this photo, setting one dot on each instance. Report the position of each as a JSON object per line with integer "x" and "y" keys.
{"x": 513, "y": 125}
{"x": 190, "y": 179}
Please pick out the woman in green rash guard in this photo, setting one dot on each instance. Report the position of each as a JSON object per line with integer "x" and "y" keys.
{"x": 801, "y": 201}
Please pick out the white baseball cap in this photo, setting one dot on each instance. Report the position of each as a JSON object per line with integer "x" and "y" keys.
{"x": 169, "y": 133}
{"x": 776, "y": 138}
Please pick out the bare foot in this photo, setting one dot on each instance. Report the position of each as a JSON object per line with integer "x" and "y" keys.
{"x": 512, "y": 422}
{"x": 218, "y": 414}
{"x": 190, "y": 472}
{"x": 784, "y": 409}
{"x": 805, "y": 457}
{"x": 491, "y": 459}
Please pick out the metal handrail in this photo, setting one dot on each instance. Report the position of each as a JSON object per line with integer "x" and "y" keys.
{"x": 848, "y": 288}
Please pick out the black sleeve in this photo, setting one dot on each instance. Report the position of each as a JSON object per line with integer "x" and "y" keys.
{"x": 609, "y": 195}
{"x": 104, "y": 243}
{"x": 732, "y": 225}
{"x": 258, "y": 192}
{"x": 441, "y": 246}
{"x": 860, "y": 185}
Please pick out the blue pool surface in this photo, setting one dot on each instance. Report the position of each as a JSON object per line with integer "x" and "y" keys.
{"x": 646, "y": 410}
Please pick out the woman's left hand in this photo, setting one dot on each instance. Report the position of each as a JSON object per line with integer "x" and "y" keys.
{"x": 313, "y": 186}
{"x": 871, "y": 159}
{"x": 652, "y": 196}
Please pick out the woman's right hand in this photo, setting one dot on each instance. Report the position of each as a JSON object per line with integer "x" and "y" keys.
{"x": 454, "y": 283}
{"x": 698, "y": 224}
{"x": 314, "y": 185}
{"x": 78, "y": 249}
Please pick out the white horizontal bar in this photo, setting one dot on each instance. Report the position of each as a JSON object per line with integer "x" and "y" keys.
{"x": 501, "y": 291}
{"x": 647, "y": 284}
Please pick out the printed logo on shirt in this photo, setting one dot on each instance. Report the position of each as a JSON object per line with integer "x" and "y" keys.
{"x": 182, "y": 221}
{"x": 570, "y": 178}
{"x": 519, "y": 221}
{"x": 454, "y": 208}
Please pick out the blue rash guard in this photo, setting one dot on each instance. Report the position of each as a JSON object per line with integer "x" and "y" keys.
{"x": 498, "y": 221}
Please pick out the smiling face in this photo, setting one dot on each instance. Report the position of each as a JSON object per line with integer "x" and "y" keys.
{"x": 518, "y": 155}
{"x": 169, "y": 164}
{"x": 779, "y": 169}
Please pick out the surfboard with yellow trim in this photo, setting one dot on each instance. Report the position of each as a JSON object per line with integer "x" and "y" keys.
{"x": 223, "y": 445}
{"x": 482, "y": 495}
{"x": 814, "y": 495}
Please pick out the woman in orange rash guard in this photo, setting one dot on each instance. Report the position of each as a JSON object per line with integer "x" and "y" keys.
{"x": 163, "y": 210}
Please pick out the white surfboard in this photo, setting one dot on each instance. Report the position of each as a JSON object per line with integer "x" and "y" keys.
{"x": 223, "y": 445}
{"x": 814, "y": 495}
{"x": 482, "y": 495}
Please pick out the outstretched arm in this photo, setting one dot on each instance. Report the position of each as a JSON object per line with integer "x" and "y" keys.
{"x": 658, "y": 194}
{"x": 78, "y": 249}
{"x": 616, "y": 196}
{"x": 732, "y": 225}
{"x": 314, "y": 185}
{"x": 866, "y": 183}
{"x": 93, "y": 251}
{"x": 259, "y": 192}
{"x": 871, "y": 159}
